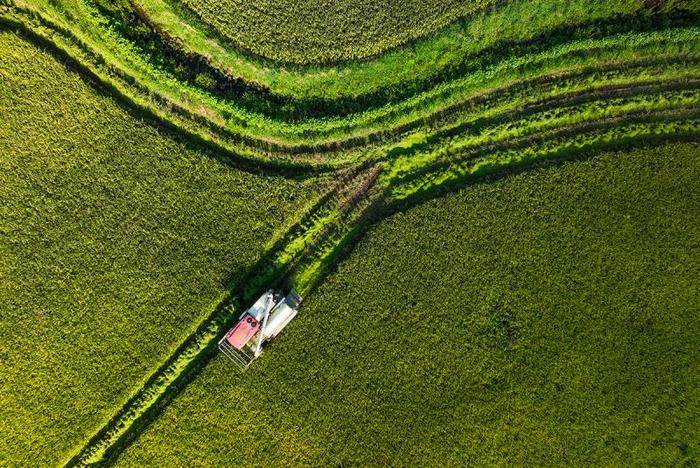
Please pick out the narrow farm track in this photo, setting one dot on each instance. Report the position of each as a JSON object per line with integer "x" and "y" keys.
{"x": 488, "y": 98}
{"x": 165, "y": 385}
{"x": 620, "y": 80}
{"x": 193, "y": 353}
{"x": 160, "y": 17}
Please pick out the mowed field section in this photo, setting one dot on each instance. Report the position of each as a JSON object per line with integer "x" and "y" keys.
{"x": 115, "y": 241}
{"x": 544, "y": 318}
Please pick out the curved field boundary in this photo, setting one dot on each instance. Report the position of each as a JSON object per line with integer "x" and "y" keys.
{"x": 534, "y": 130}
{"x": 560, "y": 142}
{"x": 559, "y": 98}
{"x": 441, "y": 148}
{"x": 333, "y": 82}
{"x": 244, "y": 160}
{"x": 566, "y": 110}
{"x": 322, "y": 163}
{"x": 206, "y": 121}
{"x": 189, "y": 16}
{"x": 304, "y": 105}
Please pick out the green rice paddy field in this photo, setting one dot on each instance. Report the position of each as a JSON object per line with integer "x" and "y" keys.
{"x": 490, "y": 207}
{"x": 541, "y": 319}
{"x": 309, "y": 31}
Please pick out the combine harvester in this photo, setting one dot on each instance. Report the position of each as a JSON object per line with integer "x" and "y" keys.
{"x": 258, "y": 324}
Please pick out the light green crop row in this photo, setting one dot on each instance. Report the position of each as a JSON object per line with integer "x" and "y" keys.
{"x": 583, "y": 140}
{"x": 621, "y": 47}
{"x": 316, "y": 131}
{"x": 490, "y": 133}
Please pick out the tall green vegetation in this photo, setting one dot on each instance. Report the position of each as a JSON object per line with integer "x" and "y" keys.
{"x": 330, "y": 30}
{"x": 429, "y": 59}
{"x": 115, "y": 241}
{"x": 545, "y": 318}
{"x": 360, "y": 101}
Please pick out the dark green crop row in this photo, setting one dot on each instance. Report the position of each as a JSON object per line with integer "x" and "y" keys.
{"x": 405, "y": 65}
{"x": 165, "y": 52}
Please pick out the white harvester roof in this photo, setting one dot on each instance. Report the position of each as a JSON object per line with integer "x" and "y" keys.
{"x": 261, "y": 322}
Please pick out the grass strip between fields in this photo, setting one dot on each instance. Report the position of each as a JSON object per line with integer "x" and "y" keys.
{"x": 286, "y": 165}
{"x": 240, "y": 140}
{"x": 581, "y": 96}
{"x": 188, "y": 358}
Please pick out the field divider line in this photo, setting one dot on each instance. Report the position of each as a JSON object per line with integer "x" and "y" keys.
{"x": 563, "y": 144}
{"x": 126, "y": 90}
{"x": 185, "y": 15}
{"x": 571, "y": 99}
{"x": 536, "y": 131}
{"x": 385, "y": 204}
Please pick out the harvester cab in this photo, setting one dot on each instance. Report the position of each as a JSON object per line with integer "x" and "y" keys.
{"x": 258, "y": 324}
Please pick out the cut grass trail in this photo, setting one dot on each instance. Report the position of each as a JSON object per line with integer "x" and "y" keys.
{"x": 514, "y": 21}
{"x": 545, "y": 319}
{"x": 88, "y": 204}
{"x": 337, "y": 228}
{"x": 116, "y": 241}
